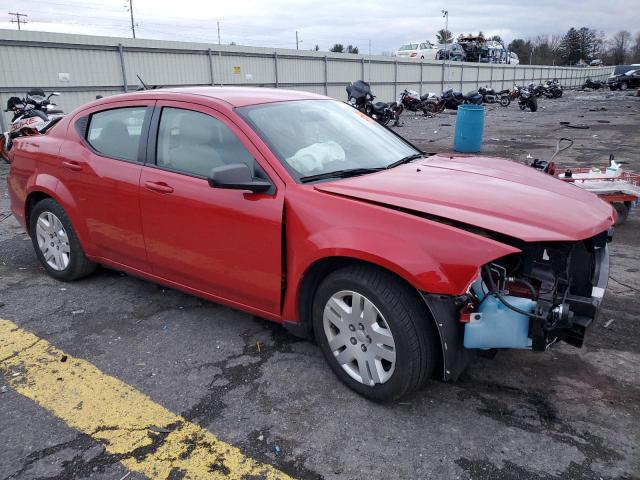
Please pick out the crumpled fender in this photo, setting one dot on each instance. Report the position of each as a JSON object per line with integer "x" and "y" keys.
{"x": 431, "y": 256}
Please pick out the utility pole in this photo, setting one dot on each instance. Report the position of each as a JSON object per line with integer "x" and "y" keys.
{"x": 297, "y": 40}
{"x": 17, "y": 19}
{"x": 218, "y": 33}
{"x": 369, "y": 60}
{"x": 445, "y": 14}
{"x": 133, "y": 28}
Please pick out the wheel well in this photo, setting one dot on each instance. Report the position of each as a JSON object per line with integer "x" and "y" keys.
{"x": 318, "y": 272}
{"x": 32, "y": 199}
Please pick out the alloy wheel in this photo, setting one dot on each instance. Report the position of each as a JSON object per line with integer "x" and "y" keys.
{"x": 53, "y": 241}
{"x": 359, "y": 338}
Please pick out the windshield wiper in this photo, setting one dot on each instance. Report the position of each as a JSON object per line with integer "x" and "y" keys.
{"x": 406, "y": 159}
{"x": 350, "y": 172}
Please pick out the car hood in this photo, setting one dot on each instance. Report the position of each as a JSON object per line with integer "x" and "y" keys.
{"x": 490, "y": 193}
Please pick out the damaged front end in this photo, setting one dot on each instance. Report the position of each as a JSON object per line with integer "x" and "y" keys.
{"x": 548, "y": 292}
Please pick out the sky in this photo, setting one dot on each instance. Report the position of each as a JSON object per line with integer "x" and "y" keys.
{"x": 273, "y": 23}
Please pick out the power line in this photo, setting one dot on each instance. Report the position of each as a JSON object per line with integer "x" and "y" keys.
{"x": 17, "y": 19}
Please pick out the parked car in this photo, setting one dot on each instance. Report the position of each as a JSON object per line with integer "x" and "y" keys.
{"x": 624, "y": 80}
{"x": 451, "y": 51}
{"x": 423, "y": 50}
{"x": 300, "y": 209}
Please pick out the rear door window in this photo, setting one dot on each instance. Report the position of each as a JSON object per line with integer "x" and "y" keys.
{"x": 116, "y": 133}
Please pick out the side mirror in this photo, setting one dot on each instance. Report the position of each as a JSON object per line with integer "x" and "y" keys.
{"x": 237, "y": 176}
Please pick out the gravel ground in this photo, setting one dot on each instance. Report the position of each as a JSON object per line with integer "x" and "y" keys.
{"x": 564, "y": 414}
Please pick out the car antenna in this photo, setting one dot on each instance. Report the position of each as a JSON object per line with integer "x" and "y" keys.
{"x": 144, "y": 85}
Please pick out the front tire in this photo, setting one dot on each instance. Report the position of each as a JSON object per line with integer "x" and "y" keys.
{"x": 505, "y": 100}
{"x": 533, "y": 104}
{"x": 56, "y": 244}
{"x": 374, "y": 332}
{"x": 624, "y": 86}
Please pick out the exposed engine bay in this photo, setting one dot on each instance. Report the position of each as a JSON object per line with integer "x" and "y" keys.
{"x": 548, "y": 292}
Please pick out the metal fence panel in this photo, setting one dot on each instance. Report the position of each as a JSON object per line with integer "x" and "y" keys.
{"x": 186, "y": 68}
{"x": 82, "y": 66}
{"x": 48, "y": 67}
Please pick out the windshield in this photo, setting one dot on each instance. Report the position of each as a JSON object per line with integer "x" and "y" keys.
{"x": 313, "y": 137}
{"x": 410, "y": 46}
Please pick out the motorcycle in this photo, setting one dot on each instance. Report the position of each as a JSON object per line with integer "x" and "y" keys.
{"x": 527, "y": 99}
{"x": 33, "y": 114}
{"x": 595, "y": 85}
{"x": 414, "y": 102}
{"x": 552, "y": 89}
{"x": 489, "y": 95}
{"x": 537, "y": 90}
{"x": 359, "y": 95}
{"x": 452, "y": 100}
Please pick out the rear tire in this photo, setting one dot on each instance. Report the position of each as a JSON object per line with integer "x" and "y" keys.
{"x": 505, "y": 100}
{"x": 388, "y": 347}
{"x": 624, "y": 86}
{"x": 533, "y": 104}
{"x": 430, "y": 108}
{"x": 56, "y": 244}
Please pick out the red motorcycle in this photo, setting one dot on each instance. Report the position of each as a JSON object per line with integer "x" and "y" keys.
{"x": 428, "y": 103}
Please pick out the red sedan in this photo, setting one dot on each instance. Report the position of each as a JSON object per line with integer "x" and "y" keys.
{"x": 299, "y": 209}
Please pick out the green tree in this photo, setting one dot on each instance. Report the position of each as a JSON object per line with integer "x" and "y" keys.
{"x": 590, "y": 43}
{"x": 521, "y": 48}
{"x": 316, "y": 48}
{"x": 338, "y": 48}
{"x": 351, "y": 49}
{"x": 444, "y": 36}
{"x": 570, "y": 47}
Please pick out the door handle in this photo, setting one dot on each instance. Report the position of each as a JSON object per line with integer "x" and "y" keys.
{"x": 160, "y": 187}
{"x": 72, "y": 165}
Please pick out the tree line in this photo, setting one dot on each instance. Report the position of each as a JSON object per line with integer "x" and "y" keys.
{"x": 578, "y": 45}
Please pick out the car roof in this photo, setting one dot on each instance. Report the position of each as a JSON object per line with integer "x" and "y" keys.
{"x": 233, "y": 96}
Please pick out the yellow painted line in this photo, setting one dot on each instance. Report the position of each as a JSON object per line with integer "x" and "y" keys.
{"x": 145, "y": 436}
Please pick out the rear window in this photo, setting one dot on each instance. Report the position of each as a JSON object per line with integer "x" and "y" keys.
{"x": 410, "y": 46}
{"x": 620, "y": 69}
{"x": 116, "y": 133}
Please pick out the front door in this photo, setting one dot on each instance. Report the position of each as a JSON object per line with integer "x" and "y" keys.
{"x": 226, "y": 243}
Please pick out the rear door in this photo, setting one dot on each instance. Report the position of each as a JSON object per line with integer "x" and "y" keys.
{"x": 226, "y": 243}
{"x": 102, "y": 163}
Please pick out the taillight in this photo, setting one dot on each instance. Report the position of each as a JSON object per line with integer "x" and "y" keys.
{"x": 413, "y": 54}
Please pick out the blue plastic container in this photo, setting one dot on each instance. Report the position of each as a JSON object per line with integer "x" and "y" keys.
{"x": 499, "y": 326}
{"x": 469, "y": 129}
